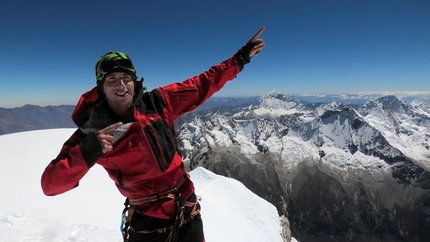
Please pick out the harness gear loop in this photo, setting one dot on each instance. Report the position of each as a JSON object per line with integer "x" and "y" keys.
{"x": 125, "y": 222}
{"x": 174, "y": 194}
{"x": 179, "y": 215}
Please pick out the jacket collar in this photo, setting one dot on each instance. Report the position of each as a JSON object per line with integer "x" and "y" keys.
{"x": 93, "y": 101}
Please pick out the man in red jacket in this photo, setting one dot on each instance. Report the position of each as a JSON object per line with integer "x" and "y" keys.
{"x": 131, "y": 134}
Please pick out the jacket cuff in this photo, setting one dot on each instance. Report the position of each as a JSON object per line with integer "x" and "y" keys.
{"x": 242, "y": 57}
{"x": 91, "y": 149}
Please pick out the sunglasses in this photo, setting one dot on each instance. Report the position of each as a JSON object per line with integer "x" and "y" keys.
{"x": 107, "y": 66}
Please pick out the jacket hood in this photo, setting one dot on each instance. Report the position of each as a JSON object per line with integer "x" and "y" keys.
{"x": 86, "y": 101}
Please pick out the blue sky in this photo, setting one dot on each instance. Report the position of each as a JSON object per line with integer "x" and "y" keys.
{"x": 49, "y": 48}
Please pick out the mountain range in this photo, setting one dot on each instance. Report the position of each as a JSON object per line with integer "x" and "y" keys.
{"x": 33, "y": 117}
{"x": 339, "y": 172}
{"x": 356, "y": 171}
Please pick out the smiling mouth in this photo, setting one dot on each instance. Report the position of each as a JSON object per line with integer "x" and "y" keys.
{"x": 121, "y": 94}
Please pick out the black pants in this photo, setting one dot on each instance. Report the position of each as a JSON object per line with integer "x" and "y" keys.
{"x": 189, "y": 232}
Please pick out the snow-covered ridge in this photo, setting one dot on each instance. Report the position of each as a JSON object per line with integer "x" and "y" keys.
{"x": 91, "y": 212}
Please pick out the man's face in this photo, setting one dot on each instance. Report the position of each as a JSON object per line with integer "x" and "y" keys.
{"x": 119, "y": 89}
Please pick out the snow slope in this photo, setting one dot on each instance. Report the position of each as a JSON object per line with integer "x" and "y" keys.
{"x": 92, "y": 211}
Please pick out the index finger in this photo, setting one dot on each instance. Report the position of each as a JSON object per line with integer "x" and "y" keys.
{"x": 110, "y": 128}
{"x": 257, "y": 35}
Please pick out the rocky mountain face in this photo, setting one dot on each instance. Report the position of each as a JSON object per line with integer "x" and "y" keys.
{"x": 339, "y": 172}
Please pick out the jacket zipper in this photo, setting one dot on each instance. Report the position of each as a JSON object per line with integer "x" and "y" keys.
{"x": 158, "y": 145}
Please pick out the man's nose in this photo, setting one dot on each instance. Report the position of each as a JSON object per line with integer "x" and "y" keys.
{"x": 121, "y": 82}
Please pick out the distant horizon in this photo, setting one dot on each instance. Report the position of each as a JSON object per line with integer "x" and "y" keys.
{"x": 407, "y": 96}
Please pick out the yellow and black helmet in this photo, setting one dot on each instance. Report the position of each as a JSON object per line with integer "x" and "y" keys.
{"x": 113, "y": 61}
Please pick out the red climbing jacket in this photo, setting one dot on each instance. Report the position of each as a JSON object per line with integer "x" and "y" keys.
{"x": 145, "y": 160}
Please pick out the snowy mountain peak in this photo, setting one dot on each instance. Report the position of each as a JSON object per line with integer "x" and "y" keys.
{"x": 393, "y": 103}
{"x": 333, "y": 106}
{"x": 389, "y": 102}
{"x": 422, "y": 106}
{"x": 273, "y": 94}
{"x": 276, "y": 100}
{"x": 271, "y": 105}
